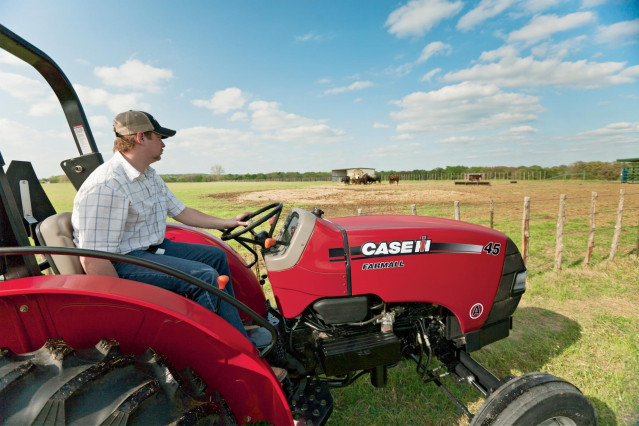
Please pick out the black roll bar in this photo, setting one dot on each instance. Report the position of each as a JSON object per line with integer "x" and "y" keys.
{"x": 78, "y": 123}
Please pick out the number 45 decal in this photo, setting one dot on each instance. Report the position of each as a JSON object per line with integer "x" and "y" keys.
{"x": 492, "y": 248}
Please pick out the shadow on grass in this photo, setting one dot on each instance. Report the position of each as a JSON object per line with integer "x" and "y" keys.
{"x": 605, "y": 414}
{"x": 538, "y": 336}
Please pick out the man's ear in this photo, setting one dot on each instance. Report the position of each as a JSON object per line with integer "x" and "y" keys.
{"x": 139, "y": 137}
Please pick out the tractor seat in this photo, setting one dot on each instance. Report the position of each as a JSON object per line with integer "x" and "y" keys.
{"x": 56, "y": 231}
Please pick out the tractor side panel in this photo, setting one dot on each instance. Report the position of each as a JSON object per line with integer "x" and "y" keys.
{"x": 82, "y": 309}
{"x": 448, "y": 266}
{"x": 246, "y": 286}
{"x": 314, "y": 277}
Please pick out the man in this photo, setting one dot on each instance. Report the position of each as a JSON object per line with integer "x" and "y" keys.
{"x": 122, "y": 208}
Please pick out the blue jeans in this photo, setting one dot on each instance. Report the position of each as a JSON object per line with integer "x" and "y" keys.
{"x": 200, "y": 260}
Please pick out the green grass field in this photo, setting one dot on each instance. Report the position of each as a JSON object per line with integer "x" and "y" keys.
{"x": 581, "y": 324}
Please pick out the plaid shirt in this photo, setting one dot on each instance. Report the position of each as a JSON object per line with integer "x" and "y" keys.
{"x": 118, "y": 209}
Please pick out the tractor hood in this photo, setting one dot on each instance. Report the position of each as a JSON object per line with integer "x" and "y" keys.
{"x": 399, "y": 258}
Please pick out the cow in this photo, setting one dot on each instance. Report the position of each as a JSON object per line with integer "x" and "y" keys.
{"x": 376, "y": 178}
{"x": 346, "y": 180}
{"x": 393, "y": 178}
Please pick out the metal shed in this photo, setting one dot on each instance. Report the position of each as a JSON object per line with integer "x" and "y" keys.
{"x": 339, "y": 174}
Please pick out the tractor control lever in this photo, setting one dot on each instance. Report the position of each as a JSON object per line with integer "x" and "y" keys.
{"x": 222, "y": 281}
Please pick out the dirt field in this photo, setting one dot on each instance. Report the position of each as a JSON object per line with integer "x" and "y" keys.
{"x": 338, "y": 199}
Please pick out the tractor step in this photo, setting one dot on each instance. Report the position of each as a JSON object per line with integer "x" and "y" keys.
{"x": 313, "y": 405}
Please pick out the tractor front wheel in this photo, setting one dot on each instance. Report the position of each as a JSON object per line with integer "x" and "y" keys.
{"x": 536, "y": 399}
{"x": 59, "y": 385}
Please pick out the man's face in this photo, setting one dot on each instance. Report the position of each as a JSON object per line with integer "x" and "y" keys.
{"x": 154, "y": 146}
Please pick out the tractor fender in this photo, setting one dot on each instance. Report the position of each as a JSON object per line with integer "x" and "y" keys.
{"x": 83, "y": 309}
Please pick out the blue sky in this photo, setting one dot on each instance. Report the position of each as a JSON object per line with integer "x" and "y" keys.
{"x": 262, "y": 86}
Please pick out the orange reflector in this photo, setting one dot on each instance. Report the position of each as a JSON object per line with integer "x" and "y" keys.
{"x": 222, "y": 281}
{"x": 269, "y": 242}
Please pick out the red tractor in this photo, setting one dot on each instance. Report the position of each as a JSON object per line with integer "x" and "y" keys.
{"x": 354, "y": 297}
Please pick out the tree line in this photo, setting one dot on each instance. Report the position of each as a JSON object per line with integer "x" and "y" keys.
{"x": 591, "y": 170}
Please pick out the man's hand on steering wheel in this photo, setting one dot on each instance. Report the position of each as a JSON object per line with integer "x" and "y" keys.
{"x": 240, "y": 220}
{"x": 249, "y": 221}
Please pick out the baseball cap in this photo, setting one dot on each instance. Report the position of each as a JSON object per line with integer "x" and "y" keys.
{"x": 131, "y": 122}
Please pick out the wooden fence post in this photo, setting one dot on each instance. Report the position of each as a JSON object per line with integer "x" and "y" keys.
{"x": 492, "y": 213}
{"x": 615, "y": 238}
{"x": 525, "y": 230}
{"x": 414, "y": 209}
{"x": 591, "y": 236}
{"x": 561, "y": 221}
{"x": 457, "y": 212}
{"x": 359, "y": 212}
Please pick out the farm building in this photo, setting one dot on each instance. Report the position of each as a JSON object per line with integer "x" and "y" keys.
{"x": 340, "y": 174}
{"x": 629, "y": 170}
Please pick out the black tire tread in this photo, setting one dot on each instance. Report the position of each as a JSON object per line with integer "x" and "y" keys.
{"x": 528, "y": 398}
{"x": 56, "y": 385}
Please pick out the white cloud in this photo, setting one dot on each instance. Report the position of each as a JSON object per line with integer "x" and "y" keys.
{"x": 544, "y": 26}
{"x": 8, "y": 58}
{"x": 44, "y": 106}
{"x": 430, "y": 74}
{"x": 626, "y": 31}
{"x": 212, "y": 140}
{"x": 386, "y": 151}
{"x": 613, "y": 129}
{"x": 506, "y": 51}
{"x": 522, "y": 129}
{"x": 592, "y": 3}
{"x": 223, "y": 101}
{"x": 358, "y": 85}
{"x": 115, "y": 102}
{"x": 22, "y": 87}
{"x": 528, "y": 72}
{"x": 457, "y": 140}
{"x": 22, "y": 142}
{"x": 417, "y": 17}
{"x": 380, "y": 126}
{"x": 239, "y": 116}
{"x": 560, "y": 50}
{"x": 400, "y": 70}
{"x": 135, "y": 75}
{"x": 403, "y": 137}
{"x": 485, "y": 10}
{"x": 463, "y": 107}
{"x": 274, "y": 123}
{"x": 99, "y": 121}
{"x": 311, "y": 36}
{"x": 436, "y": 47}
{"x": 536, "y": 6}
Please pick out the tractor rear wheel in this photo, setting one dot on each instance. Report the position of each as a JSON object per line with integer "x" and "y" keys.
{"x": 536, "y": 399}
{"x": 59, "y": 385}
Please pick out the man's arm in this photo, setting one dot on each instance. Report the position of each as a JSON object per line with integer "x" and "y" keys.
{"x": 94, "y": 266}
{"x": 193, "y": 217}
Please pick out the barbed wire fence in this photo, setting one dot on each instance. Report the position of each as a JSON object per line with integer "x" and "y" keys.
{"x": 581, "y": 214}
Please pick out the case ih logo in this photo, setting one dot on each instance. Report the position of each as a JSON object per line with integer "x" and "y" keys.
{"x": 423, "y": 245}
{"x": 397, "y": 247}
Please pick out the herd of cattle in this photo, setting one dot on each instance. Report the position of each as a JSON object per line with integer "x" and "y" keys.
{"x": 366, "y": 179}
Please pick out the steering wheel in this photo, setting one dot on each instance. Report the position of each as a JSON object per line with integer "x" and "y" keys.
{"x": 262, "y": 215}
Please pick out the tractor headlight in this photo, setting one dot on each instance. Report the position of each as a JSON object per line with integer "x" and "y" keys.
{"x": 519, "y": 284}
